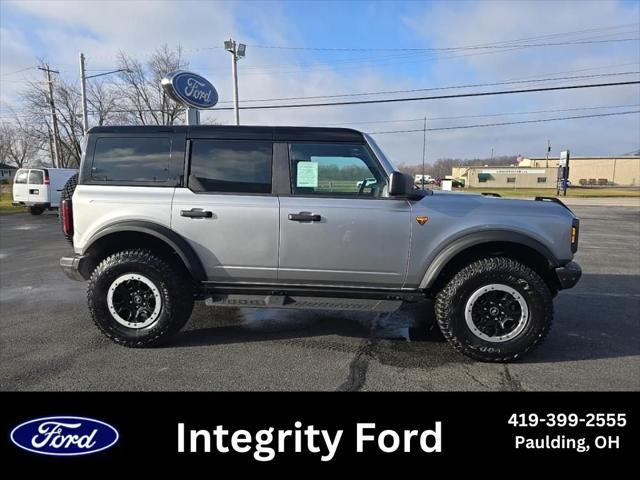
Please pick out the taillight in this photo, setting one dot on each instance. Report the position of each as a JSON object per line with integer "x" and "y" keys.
{"x": 46, "y": 177}
{"x": 575, "y": 231}
{"x": 66, "y": 210}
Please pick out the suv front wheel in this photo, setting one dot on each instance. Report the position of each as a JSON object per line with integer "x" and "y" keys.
{"x": 139, "y": 300}
{"x": 494, "y": 310}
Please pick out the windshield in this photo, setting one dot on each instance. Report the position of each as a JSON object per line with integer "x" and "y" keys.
{"x": 386, "y": 164}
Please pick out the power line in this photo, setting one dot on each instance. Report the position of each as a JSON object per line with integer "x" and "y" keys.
{"x": 390, "y": 61}
{"x": 385, "y": 60}
{"x": 356, "y": 49}
{"x": 508, "y": 45}
{"x": 451, "y": 87}
{"x": 19, "y": 71}
{"x": 479, "y": 125}
{"x": 433, "y": 97}
{"x": 503, "y": 114}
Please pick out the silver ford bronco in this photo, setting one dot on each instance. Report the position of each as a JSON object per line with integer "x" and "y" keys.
{"x": 305, "y": 218}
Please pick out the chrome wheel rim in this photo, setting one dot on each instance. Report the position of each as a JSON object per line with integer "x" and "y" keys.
{"x": 496, "y": 313}
{"x": 134, "y": 301}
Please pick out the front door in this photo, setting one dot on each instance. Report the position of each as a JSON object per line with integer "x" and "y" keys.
{"x": 228, "y": 213}
{"x": 339, "y": 227}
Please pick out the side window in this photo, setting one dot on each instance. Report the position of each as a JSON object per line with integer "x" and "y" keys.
{"x": 21, "y": 176}
{"x": 36, "y": 177}
{"x": 334, "y": 170}
{"x": 131, "y": 160}
{"x": 230, "y": 166}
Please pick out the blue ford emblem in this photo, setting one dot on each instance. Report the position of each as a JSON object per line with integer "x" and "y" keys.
{"x": 190, "y": 89}
{"x": 64, "y": 436}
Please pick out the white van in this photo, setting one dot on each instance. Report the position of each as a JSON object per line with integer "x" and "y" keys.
{"x": 39, "y": 188}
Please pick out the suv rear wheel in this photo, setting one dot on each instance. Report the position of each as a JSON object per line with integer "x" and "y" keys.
{"x": 139, "y": 300}
{"x": 494, "y": 310}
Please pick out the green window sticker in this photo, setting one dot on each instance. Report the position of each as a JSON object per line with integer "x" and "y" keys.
{"x": 307, "y": 174}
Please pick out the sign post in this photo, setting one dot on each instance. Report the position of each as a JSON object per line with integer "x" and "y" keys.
{"x": 192, "y": 91}
{"x": 563, "y": 172}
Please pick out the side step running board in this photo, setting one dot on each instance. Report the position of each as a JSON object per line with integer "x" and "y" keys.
{"x": 302, "y": 302}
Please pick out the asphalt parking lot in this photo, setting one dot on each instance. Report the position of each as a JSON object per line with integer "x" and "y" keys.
{"x": 48, "y": 342}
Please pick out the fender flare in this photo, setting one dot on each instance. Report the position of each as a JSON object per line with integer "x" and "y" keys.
{"x": 165, "y": 234}
{"x": 440, "y": 259}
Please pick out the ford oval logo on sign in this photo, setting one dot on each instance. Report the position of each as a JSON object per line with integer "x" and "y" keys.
{"x": 64, "y": 436}
{"x": 190, "y": 89}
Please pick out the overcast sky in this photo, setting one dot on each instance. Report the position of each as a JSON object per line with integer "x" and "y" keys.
{"x": 380, "y": 35}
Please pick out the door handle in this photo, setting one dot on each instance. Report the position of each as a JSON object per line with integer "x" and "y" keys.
{"x": 196, "y": 213}
{"x": 304, "y": 217}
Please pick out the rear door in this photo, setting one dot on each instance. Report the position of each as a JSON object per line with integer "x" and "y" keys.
{"x": 20, "y": 190}
{"x": 227, "y": 211}
{"x": 339, "y": 227}
{"x": 37, "y": 187}
{"x": 127, "y": 176}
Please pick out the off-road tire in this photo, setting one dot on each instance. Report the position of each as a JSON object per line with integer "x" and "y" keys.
{"x": 36, "y": 210}
{"x": 452, "y": 299}
{"x": 66, "y": 194}
{"x": 175, "y": 289}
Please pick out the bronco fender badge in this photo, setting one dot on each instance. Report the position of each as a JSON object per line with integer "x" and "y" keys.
{"x": 422, "y": 219}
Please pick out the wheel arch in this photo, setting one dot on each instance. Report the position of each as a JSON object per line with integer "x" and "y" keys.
{"x": 143, "y": 234}
{"x": 519, "y": 246}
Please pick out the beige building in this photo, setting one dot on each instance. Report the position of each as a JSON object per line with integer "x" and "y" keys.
{"x": 542, "y": 173}
{"x": 507, "y": 177}
{"x": 621, "y": 171}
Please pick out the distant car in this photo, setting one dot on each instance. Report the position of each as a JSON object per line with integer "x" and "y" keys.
{"x": 39, "y": 189}
{"x": 428, "y": 179}
{"x": 367, "y": 182}
{"x": 455, "y": 183}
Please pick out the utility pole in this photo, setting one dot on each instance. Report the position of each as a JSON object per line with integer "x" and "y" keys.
{"x": 51, "y": 149}
{"x": 237, "y": 51}
{"x": 424, "y": 147}
{"x": 492, "y": 155}
{"x": 548, "y": 151}
{"x": 83, "y": 94}
{"x": 54, "y": 117}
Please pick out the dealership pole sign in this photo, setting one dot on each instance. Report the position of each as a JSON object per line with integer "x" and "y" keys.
{"x": 191, "y": 90}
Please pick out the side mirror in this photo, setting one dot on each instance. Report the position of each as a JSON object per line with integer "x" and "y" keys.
{"x": 400, "y": 184}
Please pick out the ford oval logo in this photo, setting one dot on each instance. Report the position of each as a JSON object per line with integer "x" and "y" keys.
{"x": 190, "y": 89}
{"x": 64, "y": 436}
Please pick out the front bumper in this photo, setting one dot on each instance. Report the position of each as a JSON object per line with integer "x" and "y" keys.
{"x": 568, "y": 275}
{"x": 76, "y": 267}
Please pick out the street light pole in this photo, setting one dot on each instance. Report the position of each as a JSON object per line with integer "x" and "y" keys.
{"x": 234, "y": 70}
{"x": 83, "y": 94}
{"x": 424, "y": 147}
{"x": 83, "y": 90}
{"x": 237, "y": 51}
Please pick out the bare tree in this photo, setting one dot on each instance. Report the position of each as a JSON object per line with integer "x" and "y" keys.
{"x": 102, "y": 103}
{"x": 134, "y": 97}
{"x": 18, "y": 144}
{"x": 67, "y": 102}
{"x": 146, "y": 102}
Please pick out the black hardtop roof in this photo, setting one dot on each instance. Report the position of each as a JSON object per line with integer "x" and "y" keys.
{"x": 240, "y": 132}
